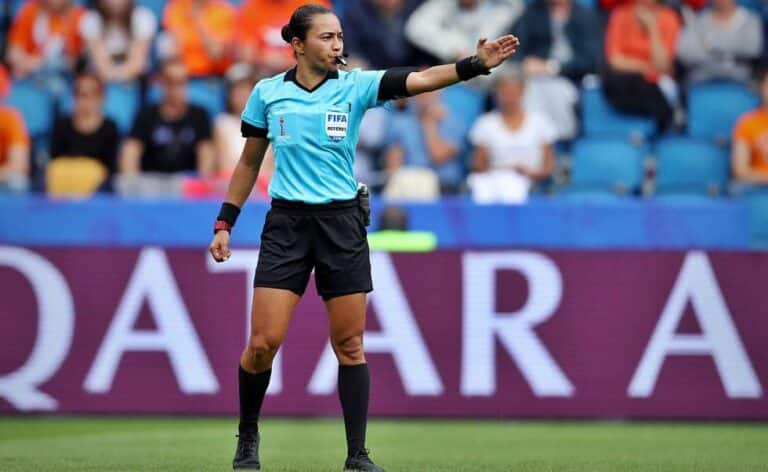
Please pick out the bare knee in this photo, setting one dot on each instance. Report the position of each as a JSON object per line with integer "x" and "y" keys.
{"x": 262, "y": 349}
{"x": 349, "y": 349}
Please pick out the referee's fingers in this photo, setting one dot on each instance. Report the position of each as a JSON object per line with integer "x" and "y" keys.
{"x": 217, "y": 252}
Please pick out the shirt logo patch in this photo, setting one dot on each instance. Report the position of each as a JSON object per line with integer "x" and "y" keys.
{"x": 336, "y": 125}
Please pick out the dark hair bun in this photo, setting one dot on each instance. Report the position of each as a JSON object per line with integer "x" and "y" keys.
{"x": 287, "y": 33}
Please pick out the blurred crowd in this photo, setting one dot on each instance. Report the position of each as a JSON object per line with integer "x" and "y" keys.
{"x": 619, "y": 97}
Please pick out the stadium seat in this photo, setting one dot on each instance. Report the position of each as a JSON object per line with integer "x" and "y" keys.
{"x": 157, "y": 7}
{"x": 600, "y": 119}
{"x": 121, "y": 103}
{"x": 34, "y": 103}
{"x": 605, "y": 166}
{"x": 690, "y": 166}
{"x": 13, "y": 7}
{"x": 714, "y": 108}
{"x": 207, "y": 93}
{"x": 758, "y": 212}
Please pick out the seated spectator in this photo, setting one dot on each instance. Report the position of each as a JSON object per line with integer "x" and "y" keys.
{"x": 14, "y": 151}
{"x": 374, "y": 32}
{"x": 423, "y": 134}
{"x": 171, "y": 137}
{"x": 640, "y": 49}
{"x": 227, "y": 135}
{"x": 512, "y": 147}
{"x": 202, "y": 33}
{"x": 367, "y": 166}
{"x": 44, "y": 41}
{"x": 259, "y": 39}
{"x": 720, "y": 43}
{"x": 749, "y": 155}
{"x": 560, "y": 42}
{"x": 87, "y": 133}
{"x": 449, "y": 29}
{"x": 118, "y": 35}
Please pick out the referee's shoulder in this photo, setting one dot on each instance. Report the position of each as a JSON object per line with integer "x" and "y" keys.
{"x": 272, "y": 80}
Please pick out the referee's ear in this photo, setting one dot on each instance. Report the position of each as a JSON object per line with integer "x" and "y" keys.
{"x": 298, "y": 46}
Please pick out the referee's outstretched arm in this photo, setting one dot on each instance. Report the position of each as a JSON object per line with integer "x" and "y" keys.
{"x": 489, "y": 55}
{"x": 240, "y": 186}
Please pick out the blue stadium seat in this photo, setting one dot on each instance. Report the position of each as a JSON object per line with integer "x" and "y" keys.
{"x": 207, "y": 93}
{"x": 599, "y": 118}
{"x": 714, "y": 108}
{"x": 605, "y": 166}
{"x": 13, "y": 7}
{"x": 34, "y": 103}
{"x": 157, "y": 7}
{"x": 121, "y": 103}
{"x": 465, "y": 102}
{"x": 690, "y": 166}
{"x": 591, "y": 4}
{"x": 758, "y": 215}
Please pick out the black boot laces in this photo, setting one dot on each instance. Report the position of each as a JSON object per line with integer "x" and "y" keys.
{"x": 246, "y": 444}
{"x": 362, "y": 454}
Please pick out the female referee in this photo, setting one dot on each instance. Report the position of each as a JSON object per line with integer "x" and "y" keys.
{"x": 311, "y": 115}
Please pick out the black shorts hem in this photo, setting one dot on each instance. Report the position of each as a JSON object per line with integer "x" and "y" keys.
{"x": 278, "y": 285}
{"x": 329, "y": 295}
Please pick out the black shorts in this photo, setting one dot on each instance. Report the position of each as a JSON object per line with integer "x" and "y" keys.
{"x": 330, "y": 238}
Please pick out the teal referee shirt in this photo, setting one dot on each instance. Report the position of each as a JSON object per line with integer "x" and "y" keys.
{"x": 313, "y": 132}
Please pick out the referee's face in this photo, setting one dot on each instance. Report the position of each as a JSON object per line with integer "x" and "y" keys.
{"x": 325, "y": 41}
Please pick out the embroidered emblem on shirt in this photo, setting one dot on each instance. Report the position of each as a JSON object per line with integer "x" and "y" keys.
{"x": 336, "y": 125}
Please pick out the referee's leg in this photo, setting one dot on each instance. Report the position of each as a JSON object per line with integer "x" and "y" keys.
{"x": 346, "y": 315}
{"x": 270, "y": 317}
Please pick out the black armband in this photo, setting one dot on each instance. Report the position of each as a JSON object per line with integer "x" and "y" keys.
{"x": 250, "y": 131}
{"x": 392, "y": 85}
{"x": 228, "y": 213}
{"x": 470, "y": 67}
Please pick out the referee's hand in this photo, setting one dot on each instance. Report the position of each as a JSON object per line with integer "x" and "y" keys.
{"x": 219, "y": 247}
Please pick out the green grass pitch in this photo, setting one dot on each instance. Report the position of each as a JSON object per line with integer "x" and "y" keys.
{"x": 204, "y": 444}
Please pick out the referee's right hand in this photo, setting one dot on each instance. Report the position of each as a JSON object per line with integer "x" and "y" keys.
{"x": 219, "y": 247}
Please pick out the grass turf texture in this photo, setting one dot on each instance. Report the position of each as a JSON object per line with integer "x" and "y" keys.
{"x": 159, "y": 444}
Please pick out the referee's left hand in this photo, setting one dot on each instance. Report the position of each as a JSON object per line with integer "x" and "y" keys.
{"x": 219, "y": 247}
{"x": 493, "y": 53}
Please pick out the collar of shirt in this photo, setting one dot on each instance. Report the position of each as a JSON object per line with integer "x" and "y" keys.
{"x": 290, "y": 76}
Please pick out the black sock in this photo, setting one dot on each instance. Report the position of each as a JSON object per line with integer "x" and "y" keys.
{"x": 354, "y": 385}
{"x": 253, "y": 387}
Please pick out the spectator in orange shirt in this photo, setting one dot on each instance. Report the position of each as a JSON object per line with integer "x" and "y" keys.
{"x": 259, "y": 39}
{"x": 202, "y": 33}
{"x": 44, "y": 38}
{"x": 640, "y": 51}
{"x": 749, "y": 155}
{"x": 14, "y": 150}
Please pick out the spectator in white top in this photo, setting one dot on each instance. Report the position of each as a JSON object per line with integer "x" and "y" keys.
{"x": 720, "y": 43}
{"x": 118, "y": 37}
{"x": 512, "y": 148}
{"x": 449, "y": 29}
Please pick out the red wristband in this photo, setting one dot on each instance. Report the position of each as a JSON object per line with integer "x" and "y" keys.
{"x": 221, "y": 225}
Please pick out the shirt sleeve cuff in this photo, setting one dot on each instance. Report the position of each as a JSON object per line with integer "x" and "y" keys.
{"x": 250, "y": 131}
